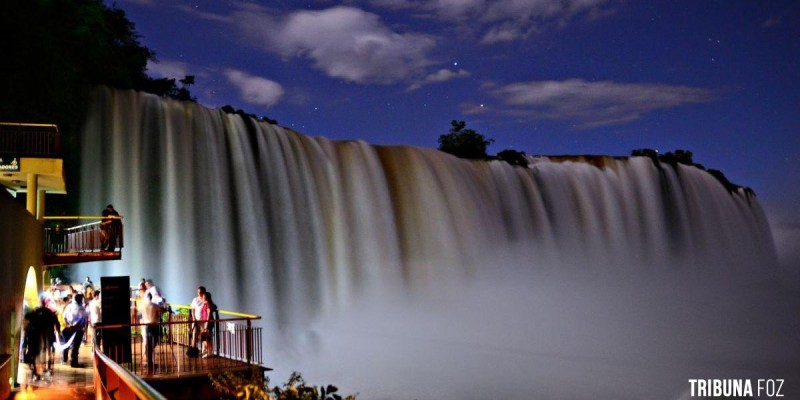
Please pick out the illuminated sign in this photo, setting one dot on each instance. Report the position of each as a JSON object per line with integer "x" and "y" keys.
{"x": 9, "y": 164}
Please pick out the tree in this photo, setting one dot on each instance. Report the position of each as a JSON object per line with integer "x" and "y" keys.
{"x": 678, "y": 156}
{"x": 685, "y": 157}
{"x": 645, "y": 153}
{"x": 464, "y": 143}
{"x": 513, "y": 157}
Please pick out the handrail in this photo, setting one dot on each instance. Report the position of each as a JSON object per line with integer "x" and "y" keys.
{"x": 142, "y": 324}
{"x": 31, "y": 124}
{"x": 234, "y": 342}
{"x": 83, "y": 217}
{"x": 137, "y": 387}
{"x": 30, "y": 140}
{"x": 234, "y": 313}
{"x": 63, "y": 238}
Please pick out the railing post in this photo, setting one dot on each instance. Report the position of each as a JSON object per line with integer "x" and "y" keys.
{"x": 249, "y": 341}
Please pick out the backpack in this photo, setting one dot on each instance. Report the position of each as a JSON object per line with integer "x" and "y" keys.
{"x": 192, "y": 352}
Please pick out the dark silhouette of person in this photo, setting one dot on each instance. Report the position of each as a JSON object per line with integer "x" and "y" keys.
{"x": 40, "y": 329}
{"x": 111, "y": 229}
{"x": 31, "y": 342}
{"x": 59, "y": 239}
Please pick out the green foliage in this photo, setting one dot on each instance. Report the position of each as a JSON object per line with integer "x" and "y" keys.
{"x": 678, "y": 157}
{"x": 464, "y": 143}
{"x": 645, "y": 153}
{"x": 255, "y": 386}
{"x": 685, "y": 157}
{"x": 230, "y": 110}
{"x": 513, "y": 157}
{"x": 467, "y": 143}
{"x": 166, "y": 87}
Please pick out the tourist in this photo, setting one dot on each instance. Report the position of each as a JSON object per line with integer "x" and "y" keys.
{"x": 31, "y": 342}
{"x": 138, "y": 303}
{"x": 49, "y": 327}
{"x": 95, "y": 317}
{"x": 59, "y": 239}
{"x": 196, "y": 316}
{"x": 75, "y": 320}
{"x": 151, "y": 315}
{"x": 207, "y": 310}
{"x": 154, "y": 291}
{"x": 111, "y": 229}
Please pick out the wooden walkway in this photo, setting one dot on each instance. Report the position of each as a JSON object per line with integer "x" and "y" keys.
{"x": 64, "y": 383}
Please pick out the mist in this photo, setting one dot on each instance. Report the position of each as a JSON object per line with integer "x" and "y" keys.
{"x": 557, "y": 336}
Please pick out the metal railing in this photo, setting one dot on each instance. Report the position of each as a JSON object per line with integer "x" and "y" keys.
{"x": 30, "y": 140}
{"x": 67, "y": 235}
{"x": 112, "y": 381}
{"x": 164, "y": 348}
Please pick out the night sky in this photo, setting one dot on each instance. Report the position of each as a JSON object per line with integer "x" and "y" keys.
{"x": 719, "y": 78}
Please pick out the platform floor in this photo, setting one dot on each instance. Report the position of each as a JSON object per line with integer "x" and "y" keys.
{"x": 77, "y": 383}
{"x": 64, "y": 383}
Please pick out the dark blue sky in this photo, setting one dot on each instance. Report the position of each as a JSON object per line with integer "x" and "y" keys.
{"x": 719, "y": 78}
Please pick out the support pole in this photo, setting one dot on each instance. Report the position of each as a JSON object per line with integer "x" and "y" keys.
{"x": 32, "y": 191}
{"x": 40, "y": 205}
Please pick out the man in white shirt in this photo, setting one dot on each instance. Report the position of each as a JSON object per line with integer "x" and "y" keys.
{"x": 75, "y": 319}
{"x": 197, "y": 327}
{"x": 151, "y": 315}
{"x": 95, "y": 317}
{"x": 153, "y": 290}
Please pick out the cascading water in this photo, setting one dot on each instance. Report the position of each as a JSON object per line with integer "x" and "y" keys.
{"x": 403, "y": 272}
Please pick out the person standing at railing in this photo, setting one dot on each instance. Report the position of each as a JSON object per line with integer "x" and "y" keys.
{"x": 196, "y": 316}
{"x": 59, "y": 244}
{"x": 75, "y": 319}
{"x": 151, "y": 315}
{"x": 207, "y": 310}
{"x": 110, "y": 229}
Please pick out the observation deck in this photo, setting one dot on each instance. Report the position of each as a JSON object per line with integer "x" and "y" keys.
{"x": 71, "y": 240}
{"x": 31, "y": 164}
{"x": 119, "y": 370}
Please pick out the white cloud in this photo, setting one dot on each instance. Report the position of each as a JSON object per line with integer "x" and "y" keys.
{"x": 140, "y": 2}
{"x": 167, "y": 69}
{"x": 442, "y": 75}
{"x": 344, "y": 42}
{"x": 505, "y": 20}
{"x": 255, "y": 90}
{"x": 593, "y": 103}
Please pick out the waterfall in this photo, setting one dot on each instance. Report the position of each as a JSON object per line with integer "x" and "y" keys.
{"x": 309, "y": 232}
